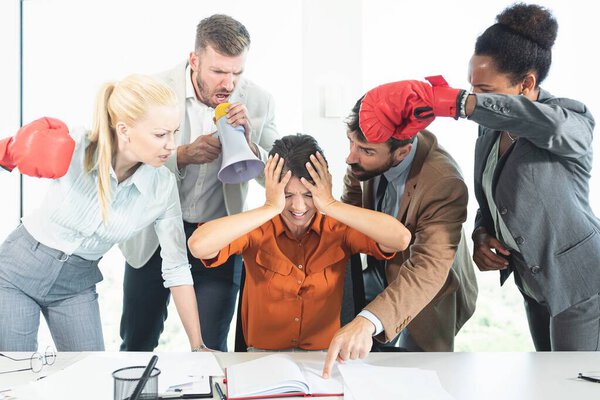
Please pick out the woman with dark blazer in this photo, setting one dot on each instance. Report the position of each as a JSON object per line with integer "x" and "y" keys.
{"x": 533, "y": 161}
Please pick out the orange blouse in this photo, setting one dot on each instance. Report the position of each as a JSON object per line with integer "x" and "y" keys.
{"x": 293, "y": 290}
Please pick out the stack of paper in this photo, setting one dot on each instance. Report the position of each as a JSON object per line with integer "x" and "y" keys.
{"x": 364, "y": 382}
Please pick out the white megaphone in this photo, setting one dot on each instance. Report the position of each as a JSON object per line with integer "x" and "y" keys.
{"x": 239, "y": 163}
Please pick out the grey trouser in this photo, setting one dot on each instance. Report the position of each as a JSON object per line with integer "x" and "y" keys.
{"x": 575, "y": 329}
{"x": 35, "y": 278}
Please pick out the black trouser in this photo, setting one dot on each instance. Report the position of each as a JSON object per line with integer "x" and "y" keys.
{"x": 145, "y": 301}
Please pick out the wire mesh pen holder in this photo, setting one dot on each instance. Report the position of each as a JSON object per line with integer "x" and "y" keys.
{"x": 126, "y": 379}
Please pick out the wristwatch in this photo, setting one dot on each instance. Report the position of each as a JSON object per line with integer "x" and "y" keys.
{"x": 202, "y": 347}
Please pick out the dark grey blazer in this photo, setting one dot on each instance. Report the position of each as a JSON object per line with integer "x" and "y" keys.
{"x": 540, "y": 188}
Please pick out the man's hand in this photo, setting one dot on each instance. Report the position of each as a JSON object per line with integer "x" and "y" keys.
{"x": 205, "y": 149}
{"x": 321, "y": 189}
{"x": 238, "y": 115}
{"x": 351, "y": 342}
{"x": 484, "y": 257}
{"x": 274, "y": 186}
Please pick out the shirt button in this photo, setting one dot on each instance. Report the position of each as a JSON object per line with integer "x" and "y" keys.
{"x": 298, "y": 298}
{"x": 503, "y": 211}
{"x": 519, "y": 240}
{"x": 300, "y": 266}
{"x": 299, "y": 282}
{"x": 297, "y": 319}
{"x": 294, "y": 340}
{"x": 535, "y": 269}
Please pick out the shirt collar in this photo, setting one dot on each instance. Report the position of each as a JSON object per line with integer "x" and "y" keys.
{"x": 395, "y": 172}
{"x": 141, "y": 178}
{"x": 280, "y": 227}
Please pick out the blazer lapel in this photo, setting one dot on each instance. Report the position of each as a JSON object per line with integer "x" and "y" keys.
{"x": 424, "y": 146}
{"x": 176, "y": 78}
{"x": 483, "y": 146}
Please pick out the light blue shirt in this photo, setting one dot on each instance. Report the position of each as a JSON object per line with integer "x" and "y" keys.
{"x": 70, "y": 219}
{"x": 396, "y": 177}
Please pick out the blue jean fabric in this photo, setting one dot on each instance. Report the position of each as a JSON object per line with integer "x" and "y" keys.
{"x": 37, "y": 279}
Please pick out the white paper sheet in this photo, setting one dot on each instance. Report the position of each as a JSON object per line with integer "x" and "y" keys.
{"x": 91, "y": 378}
{"x": 364, "y": 381}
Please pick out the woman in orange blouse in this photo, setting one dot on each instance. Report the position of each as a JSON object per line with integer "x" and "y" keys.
{"x": 295, "y": 249}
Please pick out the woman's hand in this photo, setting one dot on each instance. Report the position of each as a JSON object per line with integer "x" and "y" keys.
{"x": 274, "y": 186}
{"x": 484, "y": 257}
{"x": 321, "y": 189}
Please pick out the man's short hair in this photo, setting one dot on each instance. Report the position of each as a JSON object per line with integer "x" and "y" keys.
{"x": 353, "y": 124}
{"x": 296, "y": 151}
{"x": 225, "y": 34}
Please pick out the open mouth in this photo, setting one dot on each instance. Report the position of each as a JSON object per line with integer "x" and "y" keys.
{"x": 222, "y": 97}
{"x": 298, "y": 215}
{"x": 164, "y": 157}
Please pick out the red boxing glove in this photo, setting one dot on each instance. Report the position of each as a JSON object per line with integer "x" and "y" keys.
{"x": 6, "y": 160}
{"x": 42, "y": 149}
{"x": 402, "y": 109}
{"x": 446, "y": 100}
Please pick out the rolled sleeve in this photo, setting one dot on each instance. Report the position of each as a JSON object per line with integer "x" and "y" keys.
{"x": 171, "y": 236}
{"x": 235, "y": 247}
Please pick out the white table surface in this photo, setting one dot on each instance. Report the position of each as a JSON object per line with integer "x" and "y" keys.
{"x": 464, "y": 375}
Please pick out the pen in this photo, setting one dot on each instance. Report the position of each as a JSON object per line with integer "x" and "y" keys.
{"x": 220, "y": 392}
{"x": 588, "y": 378}
{"x": 169, "y": 396}
{"x": 142, "y": 382}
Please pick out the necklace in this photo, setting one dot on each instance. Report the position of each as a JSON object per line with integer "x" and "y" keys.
{"x": 512, "y": 139}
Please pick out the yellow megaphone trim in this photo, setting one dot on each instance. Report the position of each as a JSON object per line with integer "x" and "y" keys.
{"x": 221, "y": 110}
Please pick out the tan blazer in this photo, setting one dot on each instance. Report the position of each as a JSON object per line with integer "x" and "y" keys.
{"x": 432, "y": 285}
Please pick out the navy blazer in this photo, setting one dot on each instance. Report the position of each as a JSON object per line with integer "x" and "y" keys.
{"x": 541, "y": 190}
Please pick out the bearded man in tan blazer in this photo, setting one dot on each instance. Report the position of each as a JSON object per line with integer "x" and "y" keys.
{"x": 422, "y": 297}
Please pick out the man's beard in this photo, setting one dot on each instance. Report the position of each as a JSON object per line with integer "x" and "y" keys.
{"x": 363, "y": 175}
{"x": 206, "y": 96}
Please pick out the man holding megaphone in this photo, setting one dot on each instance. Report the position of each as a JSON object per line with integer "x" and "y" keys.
{"x": 211, "y": 76}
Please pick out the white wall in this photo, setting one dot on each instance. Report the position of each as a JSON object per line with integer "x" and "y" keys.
{"x": 9, "y": 109}
{"x": 331, "y": 75}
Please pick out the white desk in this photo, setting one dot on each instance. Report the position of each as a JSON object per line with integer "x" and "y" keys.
{"x": 466, "y": 376}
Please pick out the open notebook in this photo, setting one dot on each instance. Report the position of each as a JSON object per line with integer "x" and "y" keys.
{"x": 278, "y": 375}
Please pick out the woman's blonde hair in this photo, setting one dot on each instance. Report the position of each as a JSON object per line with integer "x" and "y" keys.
{"x": 125, "y": 101}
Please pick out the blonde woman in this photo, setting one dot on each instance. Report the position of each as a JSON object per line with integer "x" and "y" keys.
{"x": 114, "y": 186}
